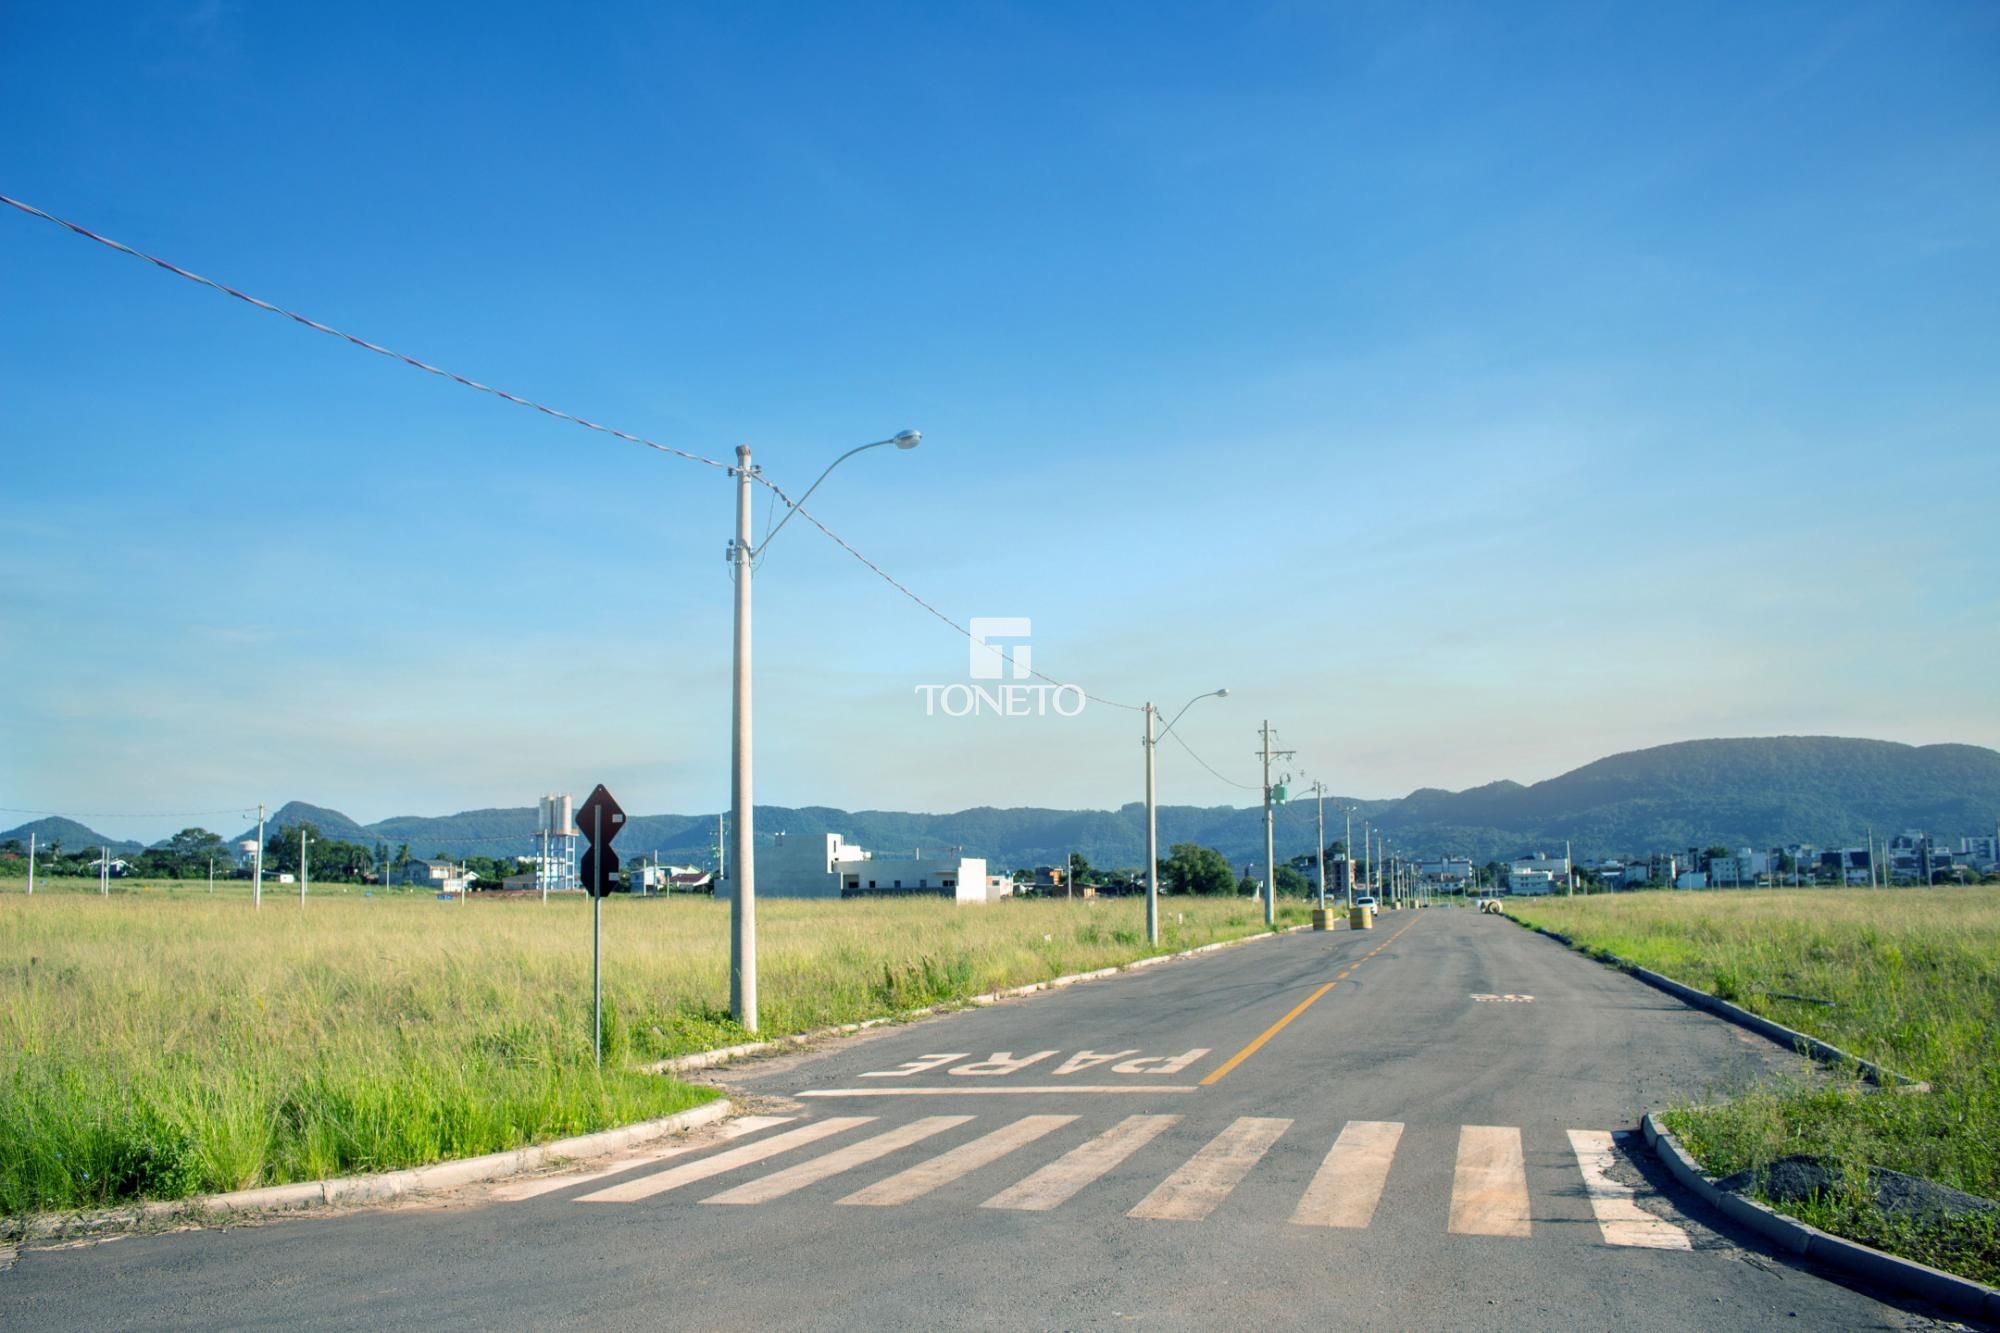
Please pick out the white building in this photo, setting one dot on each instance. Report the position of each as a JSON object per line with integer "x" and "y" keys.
{"x": 829, "y": 866}
{"x": 1538, "y": 869}
{"x": 1531, "y": 882}
{"x": 1450, "y": 875}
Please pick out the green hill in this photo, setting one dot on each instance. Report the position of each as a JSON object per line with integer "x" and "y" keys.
{"x": 1762, "y": 792}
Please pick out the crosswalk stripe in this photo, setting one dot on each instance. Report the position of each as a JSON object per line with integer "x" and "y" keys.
{"x": 780, "y": 1183}
{"x": 1205, "y": 1179}
{"x": 1619, "y": 1217}
{"x": 1489, "y": 1186}
{"x": 1348, "y": 1184}
{"x": 1062, "y": 1178}
{"x": 661, "y": 1181}
{"x": 535, "y": 1189}
{"x": 963, "y": 1160}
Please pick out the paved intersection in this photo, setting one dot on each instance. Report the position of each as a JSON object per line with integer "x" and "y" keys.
{"x": 1420, "y": 1126}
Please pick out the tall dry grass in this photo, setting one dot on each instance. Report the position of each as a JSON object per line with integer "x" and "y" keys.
{"x": 160, "y": 1043}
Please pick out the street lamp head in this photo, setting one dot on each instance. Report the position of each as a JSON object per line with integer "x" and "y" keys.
{"x": 1222, "y": 693}
{"x": 908, "y": 439}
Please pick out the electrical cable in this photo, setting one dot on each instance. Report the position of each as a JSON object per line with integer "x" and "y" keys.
{"x": 363, "y": 343}
{"x": 227, "y": 290}
{"x": 1246, "y": 786}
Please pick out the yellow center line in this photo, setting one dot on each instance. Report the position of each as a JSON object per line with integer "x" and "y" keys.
{"x": 1279, "y": 1026}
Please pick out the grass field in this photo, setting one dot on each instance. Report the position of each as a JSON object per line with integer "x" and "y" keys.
{"x": 1913, "y": 980}
{"x": 160, "y": 1043}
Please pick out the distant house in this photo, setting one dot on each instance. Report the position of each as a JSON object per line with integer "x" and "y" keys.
{"x": 828, "y": 866}
{"x": 119, "y": 865}
{"x": 689, "y": 879}
{"x": 441, "y": 876}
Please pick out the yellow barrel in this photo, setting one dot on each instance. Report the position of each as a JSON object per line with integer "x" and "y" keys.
{"x": 1361, "y": 918}
{"x": 1322, "y": 918}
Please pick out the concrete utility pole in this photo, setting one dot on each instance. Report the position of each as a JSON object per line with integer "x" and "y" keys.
{"x": 1319, "y": 791}
{"x": 741, "y": 555}
{"x": 743, "y": 903}
{"x": 31, "y": 865}
{"x": 303, "y": 874}
{"x": 1347, "y": 858}
{"x": 1152, "y": 838}
{"x": 104, "y": 873}
{"x": 1270, "y": 830}
{"x": 257, "y": 883}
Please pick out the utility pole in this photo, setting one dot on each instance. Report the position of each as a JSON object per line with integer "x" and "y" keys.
{"x": 104, "y": 873}
{"x": 31, "y": 865}
{"x": 1319, "y": 791}
{"x": 743, "y": 904}
{"x": 1270, "y": 830}
{"x": 257, "y": 884}
{"x": 304, "y": 875}
{"x": 1152, "y": 840}
{"x": 1347, "y": 853}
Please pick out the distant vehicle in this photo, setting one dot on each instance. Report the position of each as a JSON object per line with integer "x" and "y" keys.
{"x": 1367, "y": 900}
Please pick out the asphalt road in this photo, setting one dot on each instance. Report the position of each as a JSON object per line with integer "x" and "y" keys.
{"x": 1428, "y": 1125}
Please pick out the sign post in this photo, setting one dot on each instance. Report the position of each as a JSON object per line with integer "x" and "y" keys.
{"x": 600, "y": 863}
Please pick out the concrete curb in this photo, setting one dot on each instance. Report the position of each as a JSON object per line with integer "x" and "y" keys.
{"x": 377, "y": 1188}
{"x": 1778, "y": 1032}
{"x": 685, "y": 1064}
{"x": 1962, "y": 1296}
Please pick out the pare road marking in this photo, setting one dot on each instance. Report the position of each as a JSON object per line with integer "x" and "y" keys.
{"x": 1504, "y": 999}
{"x": 1002, "y": 1063}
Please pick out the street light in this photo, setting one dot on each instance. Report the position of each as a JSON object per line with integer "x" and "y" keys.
{"x": 1152, "y": 812}
{"x": 741, "y": 553}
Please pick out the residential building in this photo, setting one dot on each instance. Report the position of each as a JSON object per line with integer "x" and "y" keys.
{"x": 828, "y": 866}
{"x": 1453, "y": 874}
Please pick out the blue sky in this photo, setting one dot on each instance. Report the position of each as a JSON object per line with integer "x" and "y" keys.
{"x": 1474, "y": 390}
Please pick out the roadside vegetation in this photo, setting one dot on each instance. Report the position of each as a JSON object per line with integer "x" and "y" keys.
{"x": 1908, "y": 978}
{"x": 161, "y": 1043}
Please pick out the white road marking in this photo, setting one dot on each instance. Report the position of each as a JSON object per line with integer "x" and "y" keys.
{"x": 1160, "y": 1064}
{"x": 978, "y": 1090}
{"x": 732, "y": 1129}
{"x": 780, "y": 1183}
{"x": 1204, "y": 1180}
{"x": 1062, "y": 1178}
{"x": 1489, "y": 1187}
{"x": 963, "y": 1160}
{"x": 1502, "y": 999}
{"x": 1087, "y": 1059}
{"x": 916, "y": 1066}
{"x": 1619, "y": 1216}
{"x": 1002, "y": 1063}
{"x": 1349, "y": 1182}
{"x": 674, "y": 1177}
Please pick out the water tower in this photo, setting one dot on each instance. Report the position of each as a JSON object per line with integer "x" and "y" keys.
{"x": 556, "y": 828}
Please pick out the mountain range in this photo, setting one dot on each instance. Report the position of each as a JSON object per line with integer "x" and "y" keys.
{"x": 1761, "y": 792}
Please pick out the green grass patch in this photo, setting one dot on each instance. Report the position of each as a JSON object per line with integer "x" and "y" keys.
{"x": 1908, "y": 978}
{"x": 162, "y": 1043}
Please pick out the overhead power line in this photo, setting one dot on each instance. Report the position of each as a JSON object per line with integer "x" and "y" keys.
{"x": 1246, "y": 786}
{"x": 516, "y": 399}
{"x": 363, "y": 343}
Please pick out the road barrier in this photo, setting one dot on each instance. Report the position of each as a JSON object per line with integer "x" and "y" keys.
{"x": 1361, "y": 918}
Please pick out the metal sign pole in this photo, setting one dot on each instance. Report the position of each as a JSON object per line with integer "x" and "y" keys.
{"x": 597, "y": 931}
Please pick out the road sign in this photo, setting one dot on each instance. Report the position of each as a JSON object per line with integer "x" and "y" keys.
{"x": 599, "y": 819}
{"x": 588, "y": 866}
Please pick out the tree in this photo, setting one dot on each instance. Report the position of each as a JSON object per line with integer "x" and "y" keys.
{"x": 1249, "y": 886}
{"x": 1291, "y": 884}
{"x": 1191, "y": 868}
{"x": 1080, "y": 872}
{"x": 1336, "y": 849}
